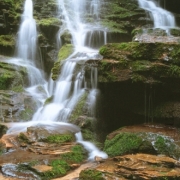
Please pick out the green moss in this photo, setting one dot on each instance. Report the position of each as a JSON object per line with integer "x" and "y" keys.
{"x": 175, "y": 32}
{"x": 140, "y": 66}
{"x": 122, "y": 143}
{"x": 6, "y": 78}
{"x": 26, "y": 114}
{"x": 166, "y": 146}
{"x": 137, "y": 78}
{"x": 19, "y": 88}
{"x": 59, "y": 138}
{"x": 61, "y": 166}
{"x": 64, "y": 53}
{"x": 7, "y": 40}
{"x": 2, "y": 148}
{"x": 11, "y": 76}
{"x": 76, "y": 156}
{"x": 49, "y": 22}
{"x": 109, "y": 70}
{"x": 91, "y": 174}
{"x": 48, "y": 100}
{"x": 78, "y": 110}
{"x": 103, "y": 50}
{"x": 174, "y": 71}
{"x": 23, "y": 138}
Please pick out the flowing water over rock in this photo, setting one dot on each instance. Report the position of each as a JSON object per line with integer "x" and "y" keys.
{"x": 162, "y": 18}
{"x": 71, "y": 84}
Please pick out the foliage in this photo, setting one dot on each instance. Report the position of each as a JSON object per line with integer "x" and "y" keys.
{"x": 61, "y": 166}
{"x": 7, "y": 40}
{"x": 76, "y": 156}
{"x": 59, "y": 138}
{"x": 91, "y": 174}
{"x": 49, "y": 22}
{"x": 78, "y": 110}
{"x": 18, "y": 88}
{"x": 137, "y": 78}
{"x": 174, "y": 71}
{"x": 122, "y": 143}
{"x": 140, "y": 65}
{"x": 26, "y": 114}
{"x": 64, "y": 53}
{"x": 166, "y": 146}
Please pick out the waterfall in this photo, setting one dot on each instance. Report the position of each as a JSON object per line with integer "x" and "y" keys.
{"x": 71, "y": 85}
{"x": 26, "y": 46}
{"x": 162, "y": 18}
{"x": 27, "y": 36}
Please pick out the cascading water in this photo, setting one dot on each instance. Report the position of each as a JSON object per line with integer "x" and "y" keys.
{"x": 27, "y": 36}
{"x": 71, "y": 85}
{"x": 27, "y": 46}
{"x": 162, "y": 18}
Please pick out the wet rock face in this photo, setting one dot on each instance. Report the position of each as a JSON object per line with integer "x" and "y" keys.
{"x": 16, "y": 107}
{"x": 171, "y": 5}
{"x": 136, "y": 81}
{"x": 120, "y": 18}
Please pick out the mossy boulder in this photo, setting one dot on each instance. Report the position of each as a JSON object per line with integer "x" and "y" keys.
{"x": 49, "y": 26}
{"x": 12, "y": 76}
{"x": 91, "y": 174}
{"x": 80, "y": 109}
{"x": 64, "y": 53}
{"x": 7, "y": 45}
{"x": 121, "y": 17}
{"x": 139, "y": 62}
{"x": 123, "y": 142}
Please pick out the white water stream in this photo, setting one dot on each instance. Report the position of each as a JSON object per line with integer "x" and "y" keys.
{"x": 71, "y": 85}
{"x": 162, "y": 18}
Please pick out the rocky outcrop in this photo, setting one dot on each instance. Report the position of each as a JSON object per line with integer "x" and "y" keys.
{"x": 134, "y": 166}
{"x": 120, "y": 18}
{"x": 41, "y": 152}
{"x": 136, "y": 81}
{"x": 135, "y": 156}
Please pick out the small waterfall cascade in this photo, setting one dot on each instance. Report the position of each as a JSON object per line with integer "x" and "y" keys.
{"x": 75, "y": 15}
{"x": 27, "y": 45}
{"x": 27, "y": 36}
{"x": 72, "y": 84}
{"x": 162, "y": 18}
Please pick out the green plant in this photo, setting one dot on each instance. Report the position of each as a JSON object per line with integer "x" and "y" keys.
{"x": 122, "y": 143}
{"x": 174, "y": 71}
{"x": 59, "y": 138}
{"x": 76, "y": 156}
{"x": 91, "y": 174}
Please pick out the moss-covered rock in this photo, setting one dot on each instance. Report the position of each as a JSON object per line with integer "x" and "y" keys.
{"x": 59, "y": 138}
{"x": 64, "y": 53}
{"x": 11, "y": 76}
{"x": 121, "y": 17}
{"x": 139, "y": 62}
{"x": 79, "y": 109}
{"x": 49, "y": 27}
{"x": 7, "y": 44}
{"x": 62, "y": 165}
{"x": 122, "y": 142}
{"x": 91, "y": 174}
